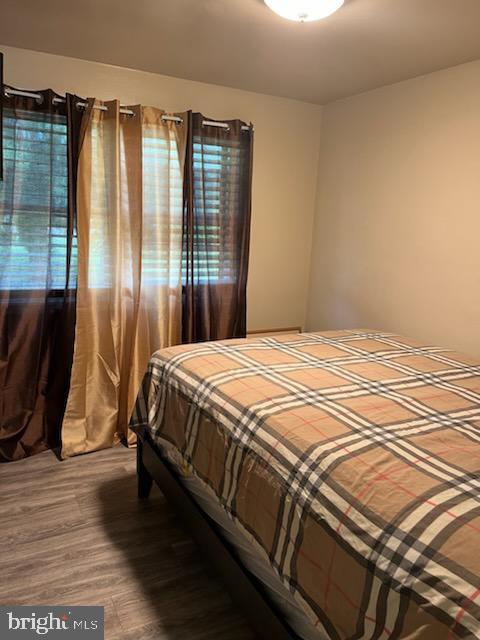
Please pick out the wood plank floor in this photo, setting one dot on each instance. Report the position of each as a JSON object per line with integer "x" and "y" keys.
{"x": 74, "y": 532}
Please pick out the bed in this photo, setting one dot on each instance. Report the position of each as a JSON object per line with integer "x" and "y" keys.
{"x": 341, "y": 468}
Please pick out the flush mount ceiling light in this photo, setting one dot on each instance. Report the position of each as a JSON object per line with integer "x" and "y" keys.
{"x": 304, "y": 10}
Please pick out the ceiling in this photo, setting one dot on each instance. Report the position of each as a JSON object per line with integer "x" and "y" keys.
{"x": 241, "y": 43}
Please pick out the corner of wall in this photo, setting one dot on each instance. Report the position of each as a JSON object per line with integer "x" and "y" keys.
{"x": 308, "y": 317}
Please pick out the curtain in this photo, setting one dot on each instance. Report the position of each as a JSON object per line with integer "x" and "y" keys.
{"x": 217, "y": 206}
{"x": 130, "y": 176}
{"x": 37, "y": 269}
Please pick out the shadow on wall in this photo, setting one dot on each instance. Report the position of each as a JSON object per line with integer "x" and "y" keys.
{"x": 169, "y": 594}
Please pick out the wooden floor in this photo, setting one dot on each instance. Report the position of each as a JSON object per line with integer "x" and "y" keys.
{"x": 74, "y": 533}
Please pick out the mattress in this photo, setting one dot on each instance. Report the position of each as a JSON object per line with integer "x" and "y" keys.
{"x": 348, "y": 460}
{"x": 251, "y": 559}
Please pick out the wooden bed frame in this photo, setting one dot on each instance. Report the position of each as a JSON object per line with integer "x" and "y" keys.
{"x": 245, "y": 589}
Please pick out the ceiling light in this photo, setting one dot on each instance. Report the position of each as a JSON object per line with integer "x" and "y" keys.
{"x": 304, "y": 10}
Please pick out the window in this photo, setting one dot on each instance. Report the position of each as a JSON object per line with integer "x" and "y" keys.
{"x": 162, "y": 197}
{"x": 33, "y": 208}
{"x": 217, "y": 188}
{"x": 162, "y": 210}
{"x": 33, "y": 202}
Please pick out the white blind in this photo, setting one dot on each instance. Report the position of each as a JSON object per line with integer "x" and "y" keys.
{"x": 161, "y": 214}
{"x": 33, "y": 202}
{"x": 217, "y": 187}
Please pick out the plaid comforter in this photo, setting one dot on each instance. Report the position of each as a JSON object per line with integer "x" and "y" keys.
{"x": 350, "y": 459}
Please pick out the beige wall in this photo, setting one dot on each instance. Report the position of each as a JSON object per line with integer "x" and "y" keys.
{"x": 285, "y": 164}
{"x": 397, "y": 225}
{"x": 397, "y": 234}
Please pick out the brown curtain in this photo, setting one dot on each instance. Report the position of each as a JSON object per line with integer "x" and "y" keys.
{"x": 37, "y": 270}
{"x": 217, "y": 205}
{"x": 129, "y": 277}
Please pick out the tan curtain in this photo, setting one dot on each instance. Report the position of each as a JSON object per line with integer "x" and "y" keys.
{"x": 129, "y": 298}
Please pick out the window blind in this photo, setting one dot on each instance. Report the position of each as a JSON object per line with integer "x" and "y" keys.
{"x": 162, "y": 185}
{"x": 218, "y": 168}
{"x": 33, "y": 202}
{"x": 33, "y": 208}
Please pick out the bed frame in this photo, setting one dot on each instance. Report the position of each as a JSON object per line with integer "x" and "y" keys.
{"x": 245, "y": 589}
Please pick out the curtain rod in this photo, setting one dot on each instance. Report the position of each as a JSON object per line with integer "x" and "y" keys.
{"x": 128, "y": 112}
